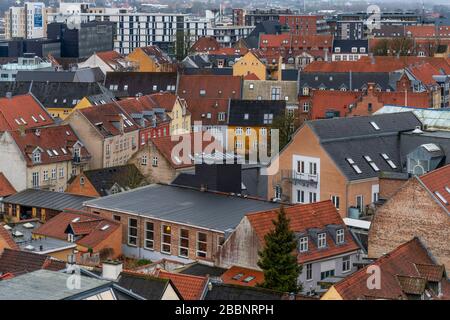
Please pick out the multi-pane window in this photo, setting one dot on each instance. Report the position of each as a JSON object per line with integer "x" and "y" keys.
{"x": 326, "y": 274}
{"x": 149, "y": 236}
{"x": 166, "y": 239}
{"x": 132, "y": 231}
{"x": 346, "y": 264}
{"x": 35, "y": 179}
{"x": 313, "y": 168}
{"x": 321, "y": 240}
{"x": 184, "y": 243}
{"x": 276, "y": 93}
{"x": 301, "y": 166}
{"x": 61, "y": 172}
{"x": 37, "y": 157}
{"x": 300, "y": 196}
{"x": 312, "y": 197}
{"x": 309, "y": 272}
{"x": 305, "y": 106}
{"x": 155, "y": 161}
{"x": 45, "y": 175}
{"x": 303, "y": 244}
{"x": 53, "y": 174}
{"x": 201, "y": 244}
{"x": 238, "y": 131}
{"x": 144, "y": 160}
{"x": 340, "y": 236}
{"x": 360, "y": 203}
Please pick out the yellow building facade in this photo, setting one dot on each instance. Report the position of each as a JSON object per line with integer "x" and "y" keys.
{"x": 249, "y": 64}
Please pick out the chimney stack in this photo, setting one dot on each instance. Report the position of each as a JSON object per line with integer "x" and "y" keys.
{"x": 111, "y": 270}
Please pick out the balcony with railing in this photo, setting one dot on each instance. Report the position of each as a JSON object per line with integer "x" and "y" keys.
{"x": 303, "y": 179}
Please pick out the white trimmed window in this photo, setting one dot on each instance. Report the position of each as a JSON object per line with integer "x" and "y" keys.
{"x": 202, "y": 244}
{"x": 303, "y": 244}
{"x": 340, "y": 236}
{"x": 166, "y": 239}
{"x": 132, "y": 231}
{"x": 149, "y": 236}
{"x": 184, "y": 243}
{"x": 321, "y": 240}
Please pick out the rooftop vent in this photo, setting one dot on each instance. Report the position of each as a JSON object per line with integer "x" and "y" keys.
{"x": 417, "y": 130}
{"x": 28, "y": 225}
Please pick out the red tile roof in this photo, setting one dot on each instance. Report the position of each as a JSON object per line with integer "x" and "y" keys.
{"x": 425, "y": 72}
{"x": 16, "y": 261}
{"x": 22, "y": 111}
{"x": 6, "y": 188}
{"x": 205, "y": 44}
{"x": 166, "y": 144}
{"x": 438, "y": 183}
{"x": 86, "y": 225}
{"x": 379, "y": 64}
{"x": 302, "y": 218}
{"x": 427, "y": 31}
{"x": 190, "y": 287}
{"x": 229, "y": 51}
{"x": 251, "y": 76}
{"x": 51, "y": 142}
{"x": 201, "y": 107}
{"x": 7, "y": 238}
{"x": 327, "y": 100}
{"x": 107, "y": 119}
{"x": 287, "y": 41}
{"x": 242, "y": 276}
{"x": 111, "y": 58}
{"x": 216, "y": 87}
{"x": 410, "y": 99}
{"x": 404, "y": 261}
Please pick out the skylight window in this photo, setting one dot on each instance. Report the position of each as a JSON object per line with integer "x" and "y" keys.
{"x": 447, "y": 189}
{"x": 23, "y": 121}
{"x": 371, "y": 163}
{"x": 64, "y": 150}
{"x": 441, "y": 197}
{"x": 18, "y": 122}
{"x": 375, "y": 126}
{"x": 105, "y": 227}
{"x": 49, "y": 153}
{"x": 389, "y": 161}
{"x": 55, "y": 152}
{"x": 76, "y": 219}
{"x": 431, "y": 147}
{"x": 248, "y": 279}
{"x": 42, "y": 118}
{"x": 238, "y": 276}
{"x": 34, "y": 119}
{"x": 354, "y": 165}
{"x": 68, "y": 133}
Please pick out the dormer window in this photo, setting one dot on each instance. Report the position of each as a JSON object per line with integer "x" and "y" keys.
{"x": 37, "y": 156}
{"x": 340, "y": 236}
{"x": 70, "y": 237}
{"x": 337, "y": 49}
{"x": 303, "y": 244}
{"x": 321, "y": 240}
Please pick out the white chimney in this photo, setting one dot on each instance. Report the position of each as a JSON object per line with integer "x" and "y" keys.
{"x": 111, "y": 270}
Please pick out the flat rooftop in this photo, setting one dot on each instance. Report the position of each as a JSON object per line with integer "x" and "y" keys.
{"x": 220, "y": 212}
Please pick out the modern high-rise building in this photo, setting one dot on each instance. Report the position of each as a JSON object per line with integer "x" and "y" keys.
{"x": 28, "y": 21}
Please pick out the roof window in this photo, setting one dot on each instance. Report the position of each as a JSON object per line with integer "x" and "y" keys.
{"x": 375, "y": 126}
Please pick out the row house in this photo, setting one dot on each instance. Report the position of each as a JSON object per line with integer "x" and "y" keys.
{"x": 318, "y": 165}
{"x": 181, "y": 224}
{"x": 325, "y": 247}
{"x": 408, "y": 272}
{"x": 263, "y": 64}
{"x": 298, "y": 50}
{"x": 45, "y": 157}
{"x": 209, "y": 87}
{"x": 109, "y": 132}
{"x": 249, "y": 125}
{"x": 423, "y": 200}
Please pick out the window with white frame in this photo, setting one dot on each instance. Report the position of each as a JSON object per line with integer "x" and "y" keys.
{"x": 166, "y": 239}
{"x": 61, "y": 172}
{"x": 238, "y": 131}
{"x": 305, "y": 91}
{"x": 340, "y": 236}
{"x": 35, "y": 179}
{"x": 309, "y": 275}
{"x": 303, "y": 244}
{"x": 202, "y": 244}
{"x": 221, "y": 116}
{"x": 132, "y": 231}
{"x": 45, "y": 175}
{"x": 144, "y": 160}
{"x": 149, "y": 235}
{"x": 321, "y": 240}
{"x": 276, "y": 93}
{"x": 37, "y": 157}
{"x": 248, "y": 131}
{"x": 313, "y": 168}
{"x": 53, "y": 174}
{"x": 346, "y": 264}
{"x": 184, "y": 243}
{"x": 263, "y": 131}
{"x": 305, "y": 106}
{"x": 335, "y": 200}
{"x": 155, "y": 161}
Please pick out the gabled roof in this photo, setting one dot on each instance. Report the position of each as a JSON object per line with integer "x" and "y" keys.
{"x": 89, "y": 229}
{"x": 37, "y": 198}
{"x": 424, "y": 73}
{"x": 111, "y": 58}
{"x": 205, "y": 44}
{"x": 190, "y": 287}
{"x": 156, "y": 54}
{"x": 402, "y": 272}
{"x": 215, "y": 87}
{"x": 323, "y": 101}
{"x": 109, "y": 119}
{"x": 438, "y": 184}
{"x": 207, "y": 110}
{"x": 22, "y": 111}
{"x": 295, "y": 42}
{"x": 303, "y": 218}
{"x": 347, "y": 45}
{"x": 375, "y": 64}
{"x": 243, "y": 276}
{"x": 126, "y": 177}
{"x": 6, "y": 237}
{"x": 16, "y": 261}
{"x": 354, "y": 143}
{"x": 6, "y": 188}
{"x": 255, "y": 112}
{"x": 147, "y": 286}
{"x": 55, "y": 144}
{"x": 130, "y": 84}
{"x": 183, "y": 205}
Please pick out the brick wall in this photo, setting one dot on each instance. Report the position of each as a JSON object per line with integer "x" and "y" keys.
{"x": 388, "y": 187}
{"x": 411, "y": 212}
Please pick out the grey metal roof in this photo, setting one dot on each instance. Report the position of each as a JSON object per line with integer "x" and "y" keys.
{"x": 182, "y": 205}
{"x": 47, "y": 199}
{"x": 356, "y": 138}
{"x": 348, "y": 80}
{"x": 47, "y": 285}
